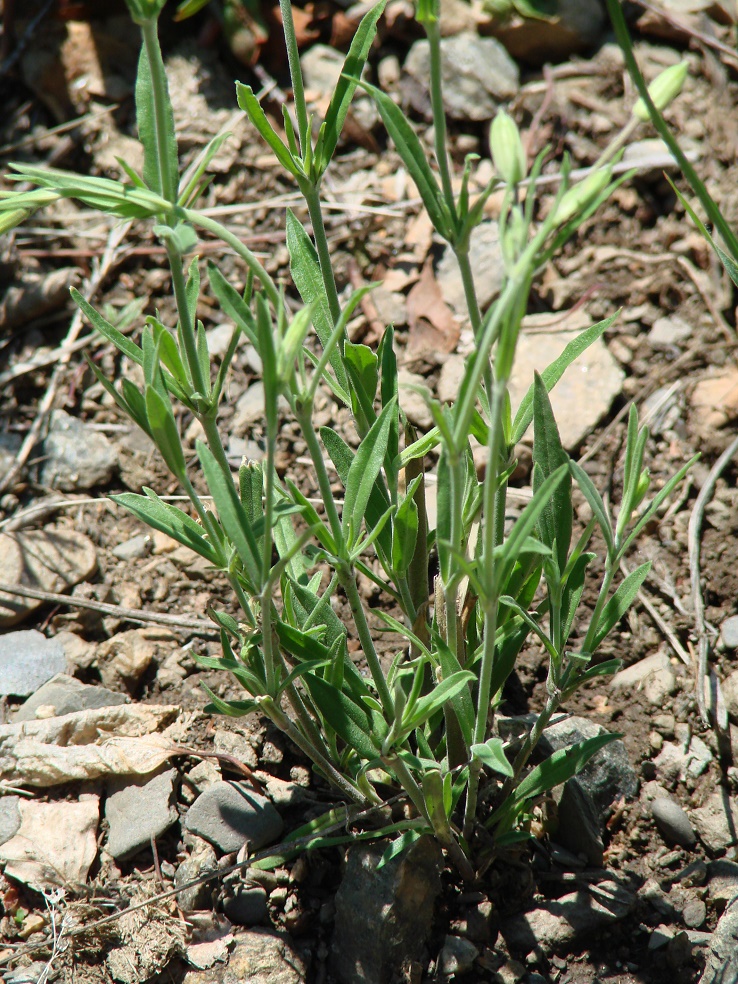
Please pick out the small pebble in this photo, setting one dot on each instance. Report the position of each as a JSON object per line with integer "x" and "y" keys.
{"x": 672, "y": 822}
{"x": 694, "y": 914}
{"x": 729, "y": 632}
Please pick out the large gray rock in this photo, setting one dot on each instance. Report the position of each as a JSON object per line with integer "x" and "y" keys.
{"x": 65, "y": 695}
{"x": 75, "y": 455}
{"x": 231, "y": 814}
{"x": 383, "y": 917}
{"x": 577, "y": 915}
{"x": 27, "y": 661}
{"x": 477, "y": 75}
{"x": 139, "y": 811}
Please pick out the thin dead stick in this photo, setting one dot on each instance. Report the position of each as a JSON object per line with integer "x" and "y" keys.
{"x": 199, "y": 626}
{"x": 100, "y": 271}
{"x": 698, "y": 602}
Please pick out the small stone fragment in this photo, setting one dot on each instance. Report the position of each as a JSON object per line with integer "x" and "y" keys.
{"x": 654, "y": 674}
{"x": 716, "y": 821}
{"x": 231, "y": 814}
{"x": 722, "y": 886}
{"x": 76, "y": 456}
{"x": 260, "y": 956}
{"x": 729, "y": 632}
{"x": 136, "y": 812}
{"x": 200, "y": 862}
{"x": 412, "y": 401}
{"x": 722, "y": 958}
{"x": 65, "y": 695}
{"x": 135, "y": 548}
{"x": 457, "y": 956}
{"x": 694, "y": 914}
{"x": 247, "y": 906}
{"x": 124, "y": 659}
{"x": 27, "y": 661}
{"x": 10, "y": 818}
{"x": 673, "y": 822}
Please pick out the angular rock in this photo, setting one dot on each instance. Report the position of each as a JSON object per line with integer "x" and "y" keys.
{"x": 586, "y": 391}
{"x": 608, "y": 775}
{"x": 10, "y": 818}
{"x": 136, "y": 812}
{"x": 485, "y": 256}
{"x": 76, "y": 456}
{"x": 654, "y": 674}
{"x": 64, "y": 695}
{"x": 200, "y": 862}
{"x": 27, "y": 661}
{"x": 259, "y": 957}
{"x": 672, "y": 822}
{"x": 384, "y": 917}
{"x": 669, "y": 332}
{"x": 570, "y": 917}
{"x": 123, "y": 659}
{"x": 231, "y": 814}
{"x": 722, "y": 957}
{"x": 50, "y": 560}
{"x": 247, "y": 906}
{"x": 457, "y": 956}
{"x": 477, "y": 75}
{"x": 411, "y": 400}
{"x": 716, "y": 821}
{"x": 134, "y": 548}
{"x": 722, "y": 886}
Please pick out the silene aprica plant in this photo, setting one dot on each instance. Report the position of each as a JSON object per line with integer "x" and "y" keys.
{"x": 425, "y": 726}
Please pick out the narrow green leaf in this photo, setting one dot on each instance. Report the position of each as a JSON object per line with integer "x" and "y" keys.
{"x": 160, "y": 175}
{"x": 364, "y": 471}
{"x": 231, "y": 513}
{"x": 248, "y": 102}
{"x": 556, "y": 519}
{"x": 362, "y": 366}
{"x": 232, "y": 304}
{"x": 597, "y": 505}
{"x": 340, "y": 102}
{"x": 434, "y": 701}
{"x": 168, "y": 519}
{"x": 655, "y": 504}
{"x": 398, "y": 846}
{"x": 553, "y": 373}
{"x": 526, "y": 522}
{"x": 413, "y": 157}
{"x": 405, "y": 531}
{"x": 123, "y": 344}
{"x": 461, "y": 703}
{"x": 619, "y": 604}
{"x": 305, "y": 270}
{"x": 231, "y": 708}
{"x": 350, "y": 721}
{"x": 164, "y": 430}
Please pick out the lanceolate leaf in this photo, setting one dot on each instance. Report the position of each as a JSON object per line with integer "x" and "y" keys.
{"x": 232, "y": 303}
{"x": 123, "y": 344}
{"x": 555, "y": 521}
{"x": 250, "y": 105}
{"x": 619, "y": 604}
{"x": 168, "y": 519}
{"x": 553, "y": 373}
{"x": 305, "y": 269}
{"x": 353, "y": 66}
{"x": 435, "y": 700}
{"x": 160, "y": 175}
{"x": 350, "y": 721}
{"x": 364, "y": 471}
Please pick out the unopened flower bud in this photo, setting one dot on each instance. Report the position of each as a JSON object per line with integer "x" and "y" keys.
{"x": 663, "y": 90}
{"x": 577, "y": 199}
{"x": 644, "y": 482}
{"x": 507, "y": 149}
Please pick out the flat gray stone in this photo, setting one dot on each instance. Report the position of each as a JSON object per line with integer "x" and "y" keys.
{"x": 135, "y": 548}
{"x": 672, "y": 822}
{"x": 583, "y": 396}
{"x": 478, "y": 74}
{"x": 201, "y": 861}
{"x": 654, "y": 674}
{"x": 579, "y": 823}
{"x": 76, "y": 456}
{"x": 384, "y": 917}
{"x": 729, "y": 632}
{"x": 231, "y": 814}
{"x": 10, "y": 818}
{"x": 139, "y": 811}
{"x": 27, "y": 661}
{"x": 722, "y": 885}
{"x": 573, "y": 916}
{"x": 65, "y": 695}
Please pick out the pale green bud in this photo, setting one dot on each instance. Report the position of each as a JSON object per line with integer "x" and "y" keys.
{"x": 145, "y": 10}
{"x": 644, "y": 482}
{"x": 577, "y": 199}
{"x": 9, "y": 220}
{"x": 507, "y": 149}
{"x": 663, "y": 90}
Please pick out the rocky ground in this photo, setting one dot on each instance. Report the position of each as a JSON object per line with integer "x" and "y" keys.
{"x": 117, "y": 789}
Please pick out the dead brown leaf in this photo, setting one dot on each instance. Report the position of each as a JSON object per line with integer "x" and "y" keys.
{"x": 433, "y": 328}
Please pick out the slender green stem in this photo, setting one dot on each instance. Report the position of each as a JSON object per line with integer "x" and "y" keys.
{"x": 347, "y": 580}
{"x": 329, "y": 771}
{"x": 304, "y": 418}
{"x": 521, "y": 759}
{"x": 408, "y": 783}
{"x": 451, "y": 588}
{"x": 214, "y": 442}
{"x": 160, "y": 104}
{"x": 187, "y": 323}
{"x": 470, "y": 292}
{"x": 242, "y": 599}
{"x": 312, "y": 198}
{"x": 210, "y": 225}
{"x": 266, "y": 563}
{"x": 433, "y": 31}
{"x": 594, "y": 622}
{"x": 298, "y": 89}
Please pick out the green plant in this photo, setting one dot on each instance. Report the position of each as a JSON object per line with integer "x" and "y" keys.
{"x": 425, "y": 724}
